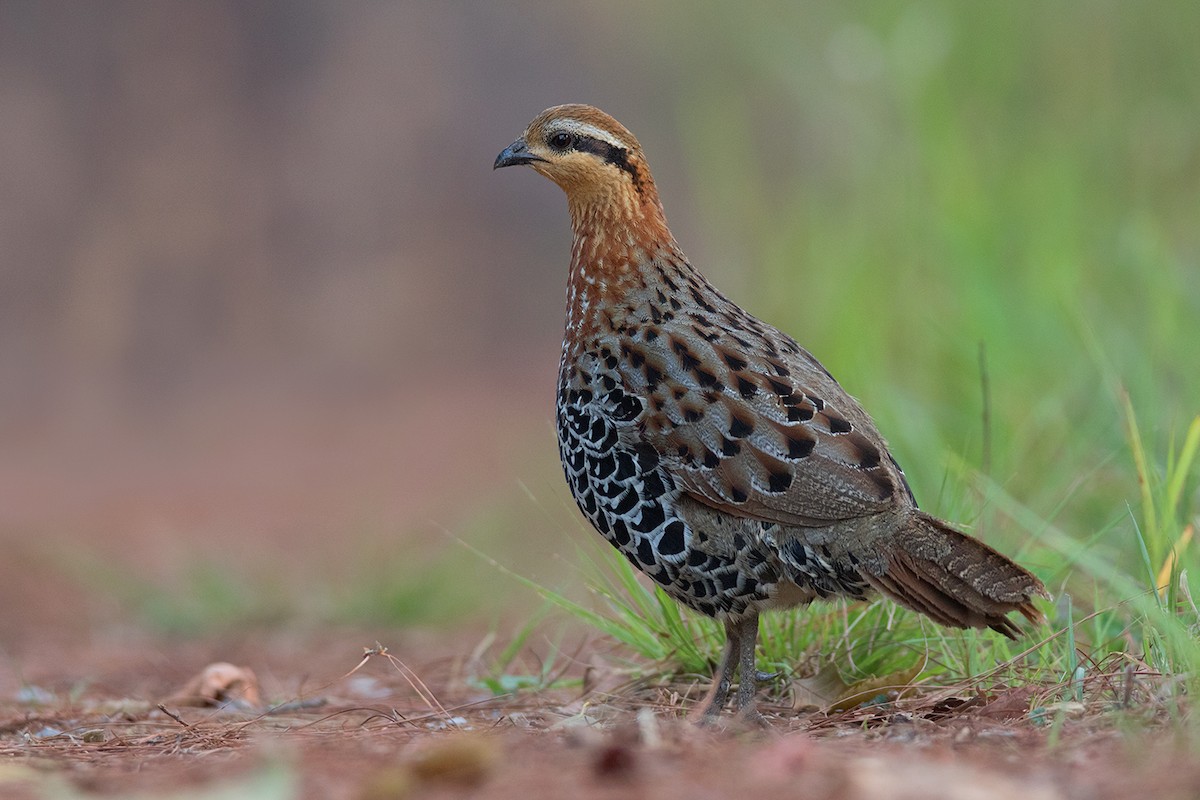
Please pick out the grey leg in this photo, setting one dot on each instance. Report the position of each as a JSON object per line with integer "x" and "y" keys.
{"x": 747, "y": 670}
{"x": 714, "y": 701}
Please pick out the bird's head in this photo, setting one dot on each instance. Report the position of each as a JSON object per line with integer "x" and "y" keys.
{"x": 594, "y": 158}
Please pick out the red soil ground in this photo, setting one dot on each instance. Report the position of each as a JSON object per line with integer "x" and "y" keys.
{"x": 80, "y": 682}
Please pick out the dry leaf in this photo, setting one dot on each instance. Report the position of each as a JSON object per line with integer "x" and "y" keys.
{"x": 220, "y": 684}
{"x": 826, "y": 691}
{"x": 1009, "y": 704}
{"x": 462, "y": 760}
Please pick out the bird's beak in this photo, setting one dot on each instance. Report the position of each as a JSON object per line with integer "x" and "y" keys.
{"x": 515, "y": 153}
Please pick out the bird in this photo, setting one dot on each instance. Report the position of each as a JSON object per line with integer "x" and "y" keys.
{"x": 713, "y": 451}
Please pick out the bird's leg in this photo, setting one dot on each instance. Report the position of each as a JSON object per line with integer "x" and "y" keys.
{"x": 747, "y": 639}
{"x": 714, "y": 701}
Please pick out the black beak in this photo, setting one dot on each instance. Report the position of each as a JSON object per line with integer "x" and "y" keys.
{"x": 515, "y": 153}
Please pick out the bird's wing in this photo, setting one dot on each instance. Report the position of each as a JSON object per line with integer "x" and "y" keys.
{"x": 750, "y": 423}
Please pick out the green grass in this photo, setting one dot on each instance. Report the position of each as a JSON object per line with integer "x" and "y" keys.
{"x": 207, "y": 595}
{"x": 419, "y": 585}
{"x": 904, "y": 186}
{"x": 1107, "y": 616}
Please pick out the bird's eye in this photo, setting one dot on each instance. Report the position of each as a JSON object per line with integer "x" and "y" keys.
{"x": 561, "y": 140}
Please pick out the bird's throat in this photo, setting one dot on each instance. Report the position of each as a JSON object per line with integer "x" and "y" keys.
{"x": 615, "y": 237}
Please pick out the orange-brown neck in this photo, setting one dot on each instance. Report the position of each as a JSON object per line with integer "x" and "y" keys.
{"x": 618, "y": 229}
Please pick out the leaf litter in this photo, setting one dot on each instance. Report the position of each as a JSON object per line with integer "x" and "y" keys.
{"x": 424, "y": 727}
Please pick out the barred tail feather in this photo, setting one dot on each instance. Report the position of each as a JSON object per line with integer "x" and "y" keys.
{"x": 956, "y": 580}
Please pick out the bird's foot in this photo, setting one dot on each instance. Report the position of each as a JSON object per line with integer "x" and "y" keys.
{"x": 752, "y": 718}
{"x": 708, "y": 713}
{"x": 743, "y": 719}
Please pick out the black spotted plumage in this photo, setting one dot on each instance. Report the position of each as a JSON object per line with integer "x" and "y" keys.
{"x": 711, "y": 449}
{"x": 623, "y": 486}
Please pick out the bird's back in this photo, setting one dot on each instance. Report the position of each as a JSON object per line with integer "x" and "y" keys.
{"x": 713, "y": 451}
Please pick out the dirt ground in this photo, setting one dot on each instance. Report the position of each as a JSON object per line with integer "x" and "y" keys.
{"x": 83, "y": 721}
{"x": 94, "y": 704}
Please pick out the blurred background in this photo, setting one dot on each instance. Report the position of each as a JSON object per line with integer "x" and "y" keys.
{"x": 273, "y": 334}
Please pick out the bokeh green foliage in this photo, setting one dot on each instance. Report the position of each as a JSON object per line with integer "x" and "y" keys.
{"x": 960, "y": 205}
{"x": 1020, "y": 178}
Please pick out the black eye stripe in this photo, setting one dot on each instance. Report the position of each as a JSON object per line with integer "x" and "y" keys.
{"x": 610, "y": 153}
{"x": 562, "y": 141}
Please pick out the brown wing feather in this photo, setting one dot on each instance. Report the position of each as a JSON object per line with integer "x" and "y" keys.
{"x": 751, "y": 424}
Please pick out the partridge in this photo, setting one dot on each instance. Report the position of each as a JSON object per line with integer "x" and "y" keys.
{"x": 713, "y": 451}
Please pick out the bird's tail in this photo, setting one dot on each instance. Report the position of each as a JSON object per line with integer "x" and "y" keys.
{"x": 955, "y": 579}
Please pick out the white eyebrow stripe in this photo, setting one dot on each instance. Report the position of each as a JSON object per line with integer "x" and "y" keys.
{"x": 584, "y": 129}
